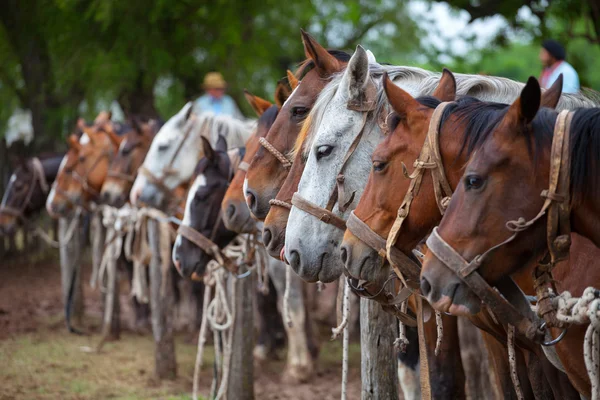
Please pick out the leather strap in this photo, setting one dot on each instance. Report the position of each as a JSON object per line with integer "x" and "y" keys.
{"x": 411, "y": 270}
{"x": 39, "y": 177}
{"x": 243, "y": 166}
{"x": 122, "y": 176}
{"x": 423, "y": 358}
{"x": 322, "y": 214}
{"x": 285, "y": 162}
{"x": 208, "y": 246}
{"x": 429, "y": 158}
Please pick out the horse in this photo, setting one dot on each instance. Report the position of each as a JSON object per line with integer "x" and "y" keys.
{"x": 387, "y": 186}
{"x": 84, "y": 167}
{"x": 176, "y": 150}
{"x": 270, "y": 165}
{"x": 27, "y": 191}
{"x": 507, "y": 169}
{"x": 130, "y": 156}
{"x": 236, "y": 214}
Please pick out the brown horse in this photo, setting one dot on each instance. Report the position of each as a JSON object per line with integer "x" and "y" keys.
{"x": 236, "y": 214}
{"x": 270, "y": 165}
{"x": 388, "y": 186}
{"x": 130, "y": 156}
{"x": 502, "y": 182}
{"x": 84, "y": 167}
{"x": 27, "y": 191}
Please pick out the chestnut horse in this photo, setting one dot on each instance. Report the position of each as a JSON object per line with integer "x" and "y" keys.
{"x": 270, "y": 165}
{"x": 508, "y": 169}
{"x": 27, "y": 191}
{"x": 236, "y": 214}
{"x": 130, "y": 156}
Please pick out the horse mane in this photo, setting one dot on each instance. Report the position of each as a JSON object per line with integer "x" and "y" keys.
{"x": 235, "y": 131}
{"x": 585, "y": 148}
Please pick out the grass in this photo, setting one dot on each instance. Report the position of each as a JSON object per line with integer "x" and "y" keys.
{"x": 50, "y": 364}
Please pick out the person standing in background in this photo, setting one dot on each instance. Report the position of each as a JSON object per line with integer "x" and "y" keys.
{"x": 552, "y": 56}
{"x": 215, "y": 99}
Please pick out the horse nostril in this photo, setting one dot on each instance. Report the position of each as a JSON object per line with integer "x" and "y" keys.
{"x": 267, "y": 236}
{"x": 344, "y": 255}
{"x": 105, "y": 197}
{"x": 294, "y": 260}
{"x": 230, "y": 211}
{"x": 425, "y": 286}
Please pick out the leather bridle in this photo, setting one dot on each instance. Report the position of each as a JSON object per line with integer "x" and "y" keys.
{"x": 39, "y": 177}
{"x": 558, "y": 207}
{"x": 83, "y": 178}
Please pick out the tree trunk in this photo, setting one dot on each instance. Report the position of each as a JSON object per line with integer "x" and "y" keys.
{"x": 139, "y": 101}
{"x": 162, "y": 303}
{"x": 379, "y": 367}
{"x": 241, "y": 372}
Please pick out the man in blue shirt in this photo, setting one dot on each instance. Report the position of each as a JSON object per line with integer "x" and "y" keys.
{"x": 215, "y": 100}
{"x": 552, "y": 56}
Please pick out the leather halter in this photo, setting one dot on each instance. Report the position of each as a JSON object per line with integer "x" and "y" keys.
{"x": 207, "y": 244}
{"x": 429, "y": 158}
{"x": 556, "y": 204}
{"x": 83, "y": 178}
{"x": 38, "y": 177}
{"x": 285, "y": 162}
{"x": 338, "y": 195}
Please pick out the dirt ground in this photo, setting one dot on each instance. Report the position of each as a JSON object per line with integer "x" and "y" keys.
{"x": 39, "y": 359}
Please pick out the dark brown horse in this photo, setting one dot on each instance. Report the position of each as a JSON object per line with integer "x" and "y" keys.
{"x": 27, "y": 191}
{"x": 130, "y": 156}
{"x": 270, "y": 165}
{"x": 508, "y": 169}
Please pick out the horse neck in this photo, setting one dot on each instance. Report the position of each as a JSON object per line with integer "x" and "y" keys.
{"x": 51, "y": 167}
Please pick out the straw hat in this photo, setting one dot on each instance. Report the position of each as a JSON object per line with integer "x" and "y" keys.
{"x": 214, "y": 80}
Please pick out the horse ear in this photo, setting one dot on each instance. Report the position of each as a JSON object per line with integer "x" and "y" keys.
{"x": 293, "y": 81}
{"x": 283, "y": 90}
{"x": 114, "y": 138}
{"x": 103, "y": 116}
{"x": 73, "y": 142}
{"x": 446, "y": 89}
{"x": 221, "y": 144}
{"x": 551, "y": 96}
{"x": 325, "y": 63}
{"x": 209, "y": 153}
{"x": 523, "y": 110}
{"x": 258, "y": 105}
{"x": 135, "y": 124}
{"x": 188, "y": 112}
{"x": 401, "y": 101}
{"x": 81, "y": 124}
{"x": 361, "y": 90}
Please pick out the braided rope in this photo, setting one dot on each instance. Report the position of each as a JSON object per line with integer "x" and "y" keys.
{"x": 440, "y": 332}
{"x": 286, "y": 296}
{"x": 285, "y": 162}
{"x": 280, "y": 203}
{"x": 512, "y": 360}
{"x": 401, "y": 343}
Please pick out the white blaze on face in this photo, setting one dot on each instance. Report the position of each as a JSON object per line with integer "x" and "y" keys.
{"x": 52, "y": 193}
{"x": 245, "y": 190}
{"x": 199, "y": 182}
{"x": 84, "y": 139}
{"x": 11, "y": 182}
{"x": 291, "y": 95}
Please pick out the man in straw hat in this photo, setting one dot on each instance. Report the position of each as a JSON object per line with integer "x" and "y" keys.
{"x": 215, "y": 100}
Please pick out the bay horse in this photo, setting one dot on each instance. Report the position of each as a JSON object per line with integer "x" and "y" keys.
{"x": 507, "y": 170}
{"x": 130, "y": 156}
{"x": 387, "y": 185}
{"x": 270, "y": 165}
{"x": 27, "y": 190}
{"x": 176, "y": 149}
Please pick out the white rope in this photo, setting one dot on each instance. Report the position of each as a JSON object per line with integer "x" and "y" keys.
{"x": 401, "y": 343}
{"x": 286, "y": 296}
{"x": 63, "y": 241}
{"x": 512, "y": 360}
{"x": 440, "y": 332}
{"x": 581, "y": 311}
{"x": 201, "y": 340}
{"x": 344, "y": 328}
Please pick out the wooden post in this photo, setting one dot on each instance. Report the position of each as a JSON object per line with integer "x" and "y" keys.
{"x": 70, "y": 260}
{"x": 162, "y": 303}
{"x": 241, "y": 372}
{"x": 379, "y": 365}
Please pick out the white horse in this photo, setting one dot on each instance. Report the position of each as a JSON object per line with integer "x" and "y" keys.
{"x": 176, "y": 149}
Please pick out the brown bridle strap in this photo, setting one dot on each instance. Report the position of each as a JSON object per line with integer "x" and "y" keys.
{"x": 208, "y": 246}
{"x": 83, "y": 179}
{"x": 556, "y": 203}
{"x": 429, "y": 158}
{"x": 321, "y": 213}
{"x": 285, "y": 162}
{"x": 38, "y": 177}
{"x": 411, "y": 270}
{"x": 338, "y": 195}
{"x": 122, "y": 176}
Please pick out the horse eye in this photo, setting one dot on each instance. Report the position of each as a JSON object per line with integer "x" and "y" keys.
{"x": 299, "y": 112}
{"x": 81, "y": 159}
{"x": 474, "y": 182}
{"x": 379, "y": 166}
{"x": 126, "y": 150}
{"x": 323, "y": 151}
{"x": 163, "y": 147}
